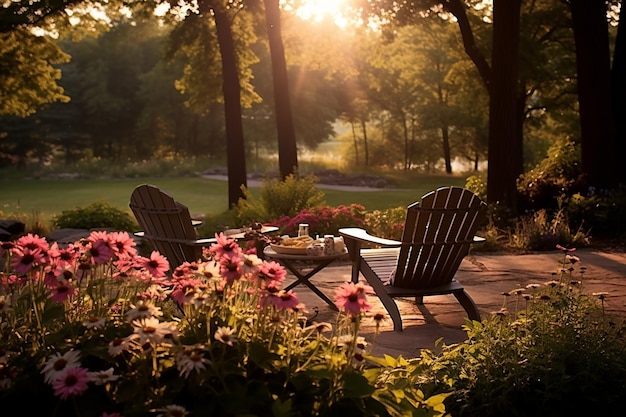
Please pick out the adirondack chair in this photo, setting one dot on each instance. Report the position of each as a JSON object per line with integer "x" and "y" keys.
{"x": 167, "y": 225}
{"x": 438, "y": 232}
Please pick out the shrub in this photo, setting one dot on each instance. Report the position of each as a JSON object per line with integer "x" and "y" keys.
{"x": 95, "y": 216}
{"x": 478, "y": 185}
{"x": 323, "y": 220}
{"x": 556, "y": 175}
{"x": 539, "y": 231}
{"x": 601, "y": 212}
{"x": 550, "y": 351}
{"x": 387, "y": 223}
{"x": 279, "y": 199}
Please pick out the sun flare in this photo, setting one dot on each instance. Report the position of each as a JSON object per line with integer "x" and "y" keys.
{"x": 319, "y": 10}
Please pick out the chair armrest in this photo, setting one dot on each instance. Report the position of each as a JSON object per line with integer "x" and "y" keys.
{"x": 356, "y": 233}
{"x": 196, "y": 242}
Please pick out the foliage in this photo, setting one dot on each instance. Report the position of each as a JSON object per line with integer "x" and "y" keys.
{"x": 33, "y": 221}
{"x": 556, "y": 175}
{"x": 323, "y": 220}
{"x": 601, "y": 212}
{"x": 280, "y": 198}
{"x": 26, "y": 83}
{"x": 387, "y": 223}
{"x": 94, "y": 329}
{"x": 549, "y": 344}
{"x": 540, "y": 231}
{"x": 94, "y": 216}
{"x": 478, "y": 185}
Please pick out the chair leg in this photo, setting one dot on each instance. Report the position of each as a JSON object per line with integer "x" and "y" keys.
{"x": 380, "y": 290}
{"x": 468, "y": 304}
{"x": 419, "y": 300}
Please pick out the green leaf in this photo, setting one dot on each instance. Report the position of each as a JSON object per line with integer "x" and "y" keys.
{"x": 356, "y": 386}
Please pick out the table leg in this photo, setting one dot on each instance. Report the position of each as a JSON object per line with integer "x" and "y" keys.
{"x": 304, "y": 279}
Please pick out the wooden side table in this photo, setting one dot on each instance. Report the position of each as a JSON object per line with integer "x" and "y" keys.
{"x": 304, "y": 267}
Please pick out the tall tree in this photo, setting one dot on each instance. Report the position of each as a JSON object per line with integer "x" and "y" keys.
{"x": 591, "y": 34}
{"x": 196, "y": 38}
{"x": 235, "y": 149}
{"x": 618, "y": 87}
{"x": 505, "y": 138}
{"x": 287, "y": 148}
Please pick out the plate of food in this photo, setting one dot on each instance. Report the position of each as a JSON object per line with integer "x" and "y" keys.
{"x": 292, "y": 245}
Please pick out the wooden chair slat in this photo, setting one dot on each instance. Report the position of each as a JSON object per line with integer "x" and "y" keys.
{"x": 167, "y": 225}
{"x": 438, "y": 232}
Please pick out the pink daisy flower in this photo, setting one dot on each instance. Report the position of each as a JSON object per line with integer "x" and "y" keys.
{"x": 284, "y": 300}
{"x": 123, "y": 244}
{"x": 157, "y": 264}
{"x": 352, "y": 298}
{"x": 63, "y": 291}
{"x": 25, "y": 259}
{"x": 71, "y": 382}
{"x": 272, "y": 271}
{"x": 33, "y": 242}
{"x": 65, "y": 257}
{"x": 184, "y": 290}
{"x": 225, "y": 247}
{"x": 100, "y": 252}
{"x": 230, "y": 269}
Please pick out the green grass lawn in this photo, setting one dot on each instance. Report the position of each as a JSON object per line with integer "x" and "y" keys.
{"x": 202, "y": 196}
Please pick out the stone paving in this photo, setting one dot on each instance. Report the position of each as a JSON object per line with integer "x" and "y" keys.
{"x": 485, "y": 277}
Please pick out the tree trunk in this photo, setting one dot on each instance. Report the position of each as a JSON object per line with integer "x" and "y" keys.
{"x": 505, "y": 147}
{"x": 235, "y": 148}
{"x": 287, "y": 149}
{"x": 365, "y": 147}
{"x": 618, "y": 87}
{"x": 597, "y": 126}
{"x": 356, "y": 145}
{"x": 445, "y": 143}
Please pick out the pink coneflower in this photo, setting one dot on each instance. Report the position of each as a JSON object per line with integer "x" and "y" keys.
{"x": 73, "y": 381}
{"x": 230, "y": 269}
{"x": 63, "y": 291}
{"x": 224, "y": 248}
{"x": 100, "y": 252}
{"x": 157, "y": 264}
{"x": 122, "y": 244}
{"x": 184, "y": 289}
{"x": 33, "y": 242}
{"x": 225, "y": 335}
{"x": 24, "y": 259}
{"x": 57, "y": 363}
{"x": 64, "y": 257}
{"x": 272, "y": 271}
{"x": 352, "y": 298}
{"x": 286, "y": 300}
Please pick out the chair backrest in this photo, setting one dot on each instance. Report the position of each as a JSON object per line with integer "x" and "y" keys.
{"x": 437, "y": 235}
{"x": 166, "y": 224}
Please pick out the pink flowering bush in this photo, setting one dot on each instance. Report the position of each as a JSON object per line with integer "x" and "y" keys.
{"x": 324, "y": 220}
{"x": 95, "y": 329}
